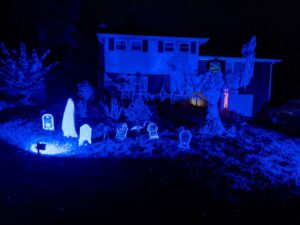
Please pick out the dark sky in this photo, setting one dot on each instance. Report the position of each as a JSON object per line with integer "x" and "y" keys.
{"x": 72, "y": 24}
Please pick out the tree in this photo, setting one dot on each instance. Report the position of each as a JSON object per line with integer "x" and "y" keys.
{"x": 24, "y": 75}
{"x": 85, "y": 94}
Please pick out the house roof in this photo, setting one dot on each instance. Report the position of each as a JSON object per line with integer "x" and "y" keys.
{"x": 146, "y": 37}
{"x": 238, "y": 59}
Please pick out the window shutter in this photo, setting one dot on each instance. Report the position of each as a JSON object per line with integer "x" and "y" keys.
{"x": 160, "y": 46}
{"x": 111, "y": 44}
{"x": 145, "y": 45}
{"x": 193, "y": 47}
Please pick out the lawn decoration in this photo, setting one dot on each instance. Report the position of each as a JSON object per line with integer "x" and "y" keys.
{"x": 85, "y": 135}
{"x": 121, "y": 132}
{"x": 68, "y": 124}
{"x": 185, "y": 137}
{"x": 106, "y": 130}
{"x": 212, "y": 85}
{"x": 243, "y": 128}
{"x": 48, "y": 122}
{"x": 232, "y": 131}
{"x": 138, "y": 129}
{"x": 152, "y": 130}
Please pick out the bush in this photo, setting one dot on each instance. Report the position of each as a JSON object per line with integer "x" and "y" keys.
{"x": 138, "y": 112}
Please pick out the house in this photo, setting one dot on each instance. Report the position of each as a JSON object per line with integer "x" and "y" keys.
{"x": 161, "y": 67}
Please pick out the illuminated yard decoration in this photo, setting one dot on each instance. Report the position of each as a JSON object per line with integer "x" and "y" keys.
{"x": 48, "y": 122}
{"x": 152, "y": 130}
{"x": 121, "y": 133}
{"x": 226, "y": 96}
{"x": 68, "y": 124}
{"x": 137, "y": 128}
{"x": 85, "y": 134}
{"x": 185, "y": 137}
{"x": 212, "y": 84}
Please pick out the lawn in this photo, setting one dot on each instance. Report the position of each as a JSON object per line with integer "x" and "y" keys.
{"x": 255, "y": 159}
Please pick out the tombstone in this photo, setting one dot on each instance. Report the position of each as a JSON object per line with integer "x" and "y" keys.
{"x": 48, "y": 122}
{"x": 232, "y": 131}
{"x": 185, "y": 137}
{"x": 152, "y": 130}
{"x": 85, "y": 134}
{"x": 121, "y": 133}
{"x": 68, "y": 123}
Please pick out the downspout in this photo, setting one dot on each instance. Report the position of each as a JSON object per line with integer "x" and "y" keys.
{"x": 270, "y": 81}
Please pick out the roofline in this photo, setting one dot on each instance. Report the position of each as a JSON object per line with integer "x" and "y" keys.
{"x": 147, "y": 37}
{"x": 239, "y": 59}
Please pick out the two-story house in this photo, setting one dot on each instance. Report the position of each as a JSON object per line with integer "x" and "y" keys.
{"x": 160, "y": 66}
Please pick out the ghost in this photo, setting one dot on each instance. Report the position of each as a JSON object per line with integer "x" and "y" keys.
{"x": 68, "y": 123}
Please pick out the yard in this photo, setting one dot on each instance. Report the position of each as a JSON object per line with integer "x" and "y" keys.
{"x": 251, "y": 172}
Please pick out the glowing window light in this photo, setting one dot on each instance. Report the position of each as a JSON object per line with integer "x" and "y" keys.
{"x": 51, "y": 149}
{"x": 198, "y": 101}
{"x": 226, "y": 96}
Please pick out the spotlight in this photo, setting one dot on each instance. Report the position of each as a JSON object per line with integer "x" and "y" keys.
{"x": 40, "y": 147}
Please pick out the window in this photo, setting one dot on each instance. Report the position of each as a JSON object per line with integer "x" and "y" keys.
{"x": 136, "y": 45}
{"x": 169, "y": 46}
{"x": 198, "y": 100}
{"x": 184, "y": 47}
{"x": 120, "y": 44}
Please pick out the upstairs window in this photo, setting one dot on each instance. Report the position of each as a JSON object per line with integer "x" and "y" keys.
{"x": 120, "y": 45}
{"x": 136, "y": 45}
{"x": 169, "y": 46}
{"x": 184, "y": 47}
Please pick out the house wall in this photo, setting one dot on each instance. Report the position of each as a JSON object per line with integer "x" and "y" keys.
{"x": 259, "y": 86}
{"x": 150, "y": 62}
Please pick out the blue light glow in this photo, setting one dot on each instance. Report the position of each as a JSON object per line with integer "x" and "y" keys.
{"x": 51, "y": 149}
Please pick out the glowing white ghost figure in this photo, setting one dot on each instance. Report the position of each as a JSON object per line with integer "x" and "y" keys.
{"x": 152, "y": 130}
{"x": 185, "y": 137}
{"x": 121, "y": 132}
{"x": 85, "y": 134}
{"x": 68, "y": 124}
{"x": 48, "y": 122}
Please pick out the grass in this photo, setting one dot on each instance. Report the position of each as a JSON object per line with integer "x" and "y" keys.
{"x": 260, "y": 159}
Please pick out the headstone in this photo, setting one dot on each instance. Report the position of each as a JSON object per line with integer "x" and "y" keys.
{"x": 48, "y": 122}
{"x": 152, "y": 130}
{"x": 231, "y": 132}
{"x": 185, "y": 137}
{"x": 121, "y": 133}
{"x": 68, "y": 123}
{"x": 85, "y": 134}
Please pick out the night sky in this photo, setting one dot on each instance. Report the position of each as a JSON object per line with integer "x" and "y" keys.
{"x": 69, "y": 28}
